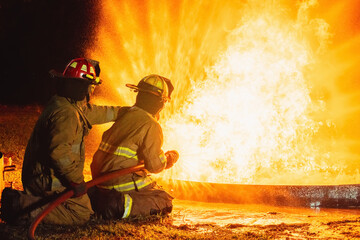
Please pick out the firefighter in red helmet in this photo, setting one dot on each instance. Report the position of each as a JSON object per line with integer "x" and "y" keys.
{"x": 135, "y": 137}
{"x": 55, "y": 153}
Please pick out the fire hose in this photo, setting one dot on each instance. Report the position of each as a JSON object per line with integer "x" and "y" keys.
{"x": 69, "y": 193}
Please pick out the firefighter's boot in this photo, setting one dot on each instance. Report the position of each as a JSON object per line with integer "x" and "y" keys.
{"x": 10, "y": 206}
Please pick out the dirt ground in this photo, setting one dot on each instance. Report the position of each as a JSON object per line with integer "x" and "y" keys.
{"x": 190, "y": 219}
{"x": 277, "y": 222}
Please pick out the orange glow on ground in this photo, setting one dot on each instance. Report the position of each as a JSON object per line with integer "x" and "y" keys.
{"x": 266, "y": 92}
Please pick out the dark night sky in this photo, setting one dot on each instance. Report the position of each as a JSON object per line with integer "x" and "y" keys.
{"x": 36, "y": 36}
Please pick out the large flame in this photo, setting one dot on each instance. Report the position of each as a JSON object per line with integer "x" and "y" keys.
{"x": 250, "y": 101}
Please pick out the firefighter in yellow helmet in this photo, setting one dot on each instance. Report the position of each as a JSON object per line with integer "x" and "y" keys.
{"x": 135, "y": 137}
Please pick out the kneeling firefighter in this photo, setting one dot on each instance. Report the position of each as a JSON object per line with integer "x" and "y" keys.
{"x": 55, "y": 153}
{"x": 135, "y": 137}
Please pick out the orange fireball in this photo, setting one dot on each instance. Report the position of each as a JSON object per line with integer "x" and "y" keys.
{"x": 266, "y": 92}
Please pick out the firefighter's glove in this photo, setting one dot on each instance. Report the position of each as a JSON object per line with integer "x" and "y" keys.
{"x": 78, "y": 188}
{"x": 171, "y": 158}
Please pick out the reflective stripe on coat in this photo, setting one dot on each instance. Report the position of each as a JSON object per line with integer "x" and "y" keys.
{"x": 135, "y": 137}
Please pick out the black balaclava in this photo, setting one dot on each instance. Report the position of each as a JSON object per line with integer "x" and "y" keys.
{"x": 75, "y": 89}
{"x": 149, "y": 102}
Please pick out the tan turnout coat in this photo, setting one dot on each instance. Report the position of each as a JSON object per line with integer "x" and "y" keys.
{"x": 135, "y": 137}
{"x": 55, "y": 155}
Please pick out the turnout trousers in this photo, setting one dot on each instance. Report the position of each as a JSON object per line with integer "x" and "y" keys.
{"x": 150, "y": 200}
{"x": 19, "y": 207}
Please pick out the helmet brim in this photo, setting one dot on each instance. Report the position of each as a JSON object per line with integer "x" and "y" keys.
{"x": 137, "y": 89}
{"x": 132, "y": 86}
{"x": 55, "y": 74}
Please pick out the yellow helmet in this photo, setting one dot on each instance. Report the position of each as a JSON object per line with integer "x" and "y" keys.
{"x": 155, "y": 84}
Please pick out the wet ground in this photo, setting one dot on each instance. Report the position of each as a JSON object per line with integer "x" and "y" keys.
{"x": 285, "y": 222}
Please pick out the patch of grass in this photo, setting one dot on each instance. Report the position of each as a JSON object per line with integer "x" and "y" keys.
{"x": 157, "y": 228}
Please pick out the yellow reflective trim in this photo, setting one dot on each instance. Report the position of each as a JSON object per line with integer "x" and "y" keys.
{"x": 92, "y": 70}
{"x": 97, "y": 80}
{"x": 89, "y": 76}
{"x": 128, "y": 156}
{"x": 125, "y": 152}
{"x": 73, "y": 65}
{"x": 124, "y": 187}
{"x": 127, "y": 205}
{"x": 84, "y": 68}
{"x": 120, "y": 151}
